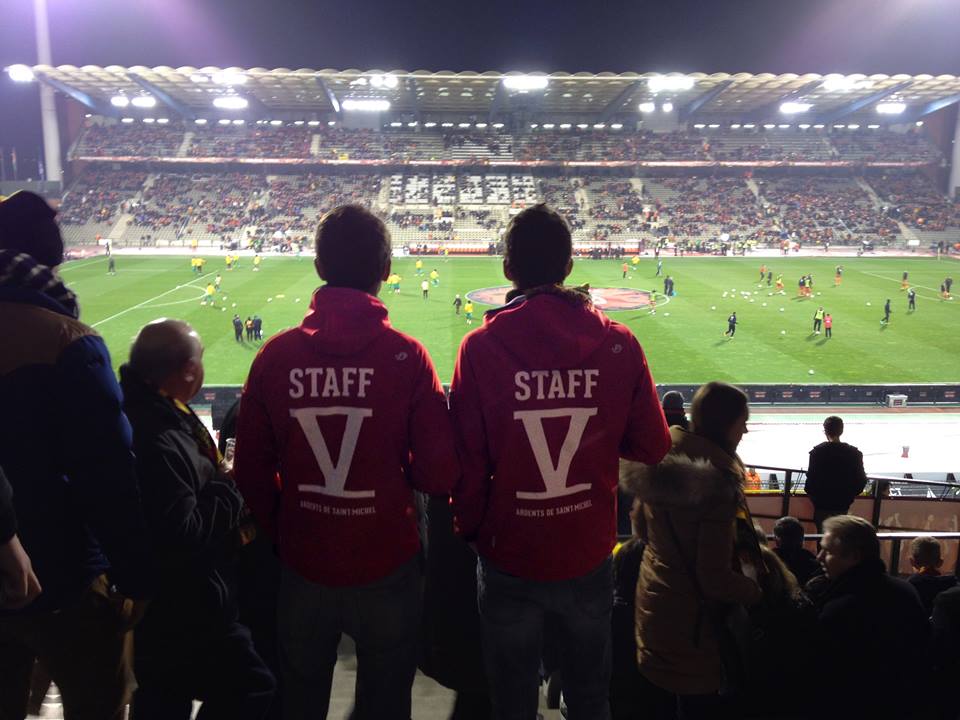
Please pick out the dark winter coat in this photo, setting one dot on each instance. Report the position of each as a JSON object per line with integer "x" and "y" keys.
{"x": 835, "y": 476}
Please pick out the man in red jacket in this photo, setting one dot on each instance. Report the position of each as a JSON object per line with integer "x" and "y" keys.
{"x": 341, "y": 419}
{"x": 547, "y": 396}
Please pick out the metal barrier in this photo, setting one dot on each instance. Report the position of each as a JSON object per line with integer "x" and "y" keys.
{"x": 896, "y": 543}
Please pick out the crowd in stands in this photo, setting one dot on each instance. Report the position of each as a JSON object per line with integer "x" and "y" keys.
{"x": 99, "y": 195}
{"x": 920, "y": 204}
{"x": 443, "y": 536}
{"x": 259, "y": 141}
{"x": 883, "y": 145}
{"x": 131, "y": 140}
{"x": 710, "y": 206}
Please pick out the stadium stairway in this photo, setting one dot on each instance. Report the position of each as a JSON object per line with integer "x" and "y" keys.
{"x": 315, "y": 145}
{"x": 185, "y": 145}
{"x": 754, "y": 188}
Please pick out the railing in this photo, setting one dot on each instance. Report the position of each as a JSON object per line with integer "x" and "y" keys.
{"x": 896, "y": 544}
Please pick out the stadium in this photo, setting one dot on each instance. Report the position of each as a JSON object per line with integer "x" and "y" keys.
{"x": 719, "y": 217}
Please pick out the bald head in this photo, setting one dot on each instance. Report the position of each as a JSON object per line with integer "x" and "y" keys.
{"x": 168, "y": 355}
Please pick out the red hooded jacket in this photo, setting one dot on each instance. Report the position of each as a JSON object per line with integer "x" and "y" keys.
{"x": 351, "y": 415}
{"x": 546, "y": 396}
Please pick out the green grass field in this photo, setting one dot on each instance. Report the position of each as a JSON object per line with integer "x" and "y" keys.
{"x": 684, "y": 340}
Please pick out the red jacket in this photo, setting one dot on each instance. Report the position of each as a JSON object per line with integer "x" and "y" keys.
{"x": 546, "y": 396}
{"x": 351, "y": 415}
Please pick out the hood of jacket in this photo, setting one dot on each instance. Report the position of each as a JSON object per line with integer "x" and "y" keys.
{"x": 556, "y": 328}
{"x": 343, "y": 320}
{"x": 694, "y": 472}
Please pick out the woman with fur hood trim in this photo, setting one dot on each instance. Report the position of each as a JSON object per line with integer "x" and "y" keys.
{"x": 702, "y": 557}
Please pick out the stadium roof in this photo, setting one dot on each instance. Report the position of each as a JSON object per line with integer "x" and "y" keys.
{"x": 822, "y": 98}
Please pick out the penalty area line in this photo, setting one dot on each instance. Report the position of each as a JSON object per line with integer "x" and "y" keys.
{"x": 147, "y": 302}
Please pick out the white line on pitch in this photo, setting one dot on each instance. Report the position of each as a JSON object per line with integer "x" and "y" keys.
{"x": 884, "y": 277}
{"x": 150, "y": 300}
{"x": 74, "y": 264}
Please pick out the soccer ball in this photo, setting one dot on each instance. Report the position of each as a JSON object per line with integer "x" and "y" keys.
{"x": 223, "y": 309}
{"x": 713, "y": 307}
{"x": 751, "y": 299}
{"x": 666, "y": 314}
{"x": 763, "y": 304}
{"x": 269, "y": 299}
{"x": 818, "y": 293}
{"x": 868, "y": 303}
{"x": 724, "y": 294}
{"x": 234, "y": 305}
{"x": 810, "y": 371}
{"x": 769, "y": 294}
{"x": 297, "y": 300}
{"x": 781, "y": 309}
{"x": 783, "y": 332}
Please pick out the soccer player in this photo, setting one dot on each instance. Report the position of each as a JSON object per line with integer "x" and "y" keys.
{"x": 257, "y": 328}
{"x": 195, "y": 266}
{"x": 208, "y": 295}
{"x": 468, "y": 311}
{"x": 635, "y": 261}
{"x": 256, "y": 262}
{"x": 200, "y": 263}
{"x": 948, "y": 283}
{"x": 809, "y": 285}
{"x": 457, "y": 302}
{"x": 624, "y": 268}
{"x": 434, "y": 277}
{"x": 886, "y": 313}
{"x": 248, "y": 327}
{"x": 944, "y": 290}
{"x": 731, "y": 325}
{"x": 216, "y": 282}
{"x": 237, "y": 328}
{"x": 911, "y": 300}
{"x": 544, "y": 372}
{"x": 802, "y": 286}
{"x": 763, "y": 271}
{"x": 229, "y": 262}
{"x": 659, "y": 268}
{"x": 780, "y": 289}
{"x": 769, "y": 277}
{"x": 818, "y": 320}
{"x": 111, "y": 265}
{"x": 351, "y": 416}
{"x": 425, "y": 289}
{"x": 396, "y": 284}
{"x": 419, "y": 266}
{"x": 904, "y": 284}
{"x": 838, "y": 276}
{"x": 828, "y": 325}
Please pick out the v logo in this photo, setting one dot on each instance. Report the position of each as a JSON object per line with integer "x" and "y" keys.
{"x": 334, "y": 474}
{"x": 554, "y": 476}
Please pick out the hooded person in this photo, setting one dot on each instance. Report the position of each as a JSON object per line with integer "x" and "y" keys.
{"x": 546, "y": 397}
{"x": 65, "y": 446}
{"x": 673, "y": 409}
{"x": 342, "y": 418}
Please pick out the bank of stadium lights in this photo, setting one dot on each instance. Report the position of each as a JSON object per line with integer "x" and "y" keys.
{"x": 599, "y": 126}
{"x": 616, "y": 126}
{"x": 144, "y": 101}
{"x": 794, "y": 108}
{"x": 548, "y": 126}
{"x": 239, "y": 121}
{"x": 748, "y": 126}
{"x": 784, "y": 126}
{"x": 396, "y": 124}
{"x": 661, "y": 83}
{"x": 313, "y": 123}
{"x": 120, "y": 101}
{"x": 713, "y": 126}
{"x": 200, "y": 121}
{"x": 839, "y": 126}
{"x": 819, "y": 126}
{"x": 526, "y": 83}
{"x": 149, "y": 121}
{"x": 430, "y": 124}
{"x": 20, "y": 73}
{"x": 804, "y": 126}
{"x": 853, "y": 127}
{"x": 498, "y": 126}
{"x": 841, "y": 83}
{"x": 891, "y": 108}
{"x": 699, "y": 126}
{"x": 126, "y": 120}
{"x": 647, "y": 107}
{"x": 298, "y": 122}
{"x": 919, "y": 123}
{"x": 533, "y": 126}
{"x": 735, "y": 126}
{"x": 365, "y": 105}
{"x": 873, "y": 127}
{"x": 464, "y": 125}
{"x": 480, "y": 126}
{"x": 387, "y": 81}
{"x": 667, "y": 107}
{"x": 224, "y": 121}
{"x": 230, "y": 102}
{"x": 769, "y": 126}
{"x": 276, "y": 122}
{"x": 565, "y": 126}
{"x": 412, "y": 123}
{"x": 330, "y": 123}
{"x": 225, "y": 77}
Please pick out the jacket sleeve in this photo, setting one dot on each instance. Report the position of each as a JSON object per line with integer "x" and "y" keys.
{"x": 181, "y": 518}
{"x": 95, "y": 443}
{"x": 858, "y": 478}
{"x": 8, "y": 520}
{"x": 813, "y": 485}
{"x": 476, "y": 467}
{"x": 647, "y": 437}
{"x": 434, "y": 467}
{"x": 715, "y": 542}
{"x": 257, "y": 455}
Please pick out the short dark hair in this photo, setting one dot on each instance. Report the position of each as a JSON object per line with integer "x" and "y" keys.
{"x": 789, "y": 532}
{"x": 353, "y": 247}
{"x": 833, "y": 426}
{"x": 925, "y": 551}
{"x": 538, "y": 247}
{"x": 714, "y": 409}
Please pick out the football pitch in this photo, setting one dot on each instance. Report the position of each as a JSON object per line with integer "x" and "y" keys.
{"x": 684, "y": 339}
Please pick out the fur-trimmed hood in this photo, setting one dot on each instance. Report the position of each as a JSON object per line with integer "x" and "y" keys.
{"x": 694, "y": 472}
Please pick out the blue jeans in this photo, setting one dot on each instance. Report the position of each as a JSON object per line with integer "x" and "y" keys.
{"x": 383, "y": 618}
{"x": 513, "y": 611}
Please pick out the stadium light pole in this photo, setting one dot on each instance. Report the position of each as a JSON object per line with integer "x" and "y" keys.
{"x": 48, "y": 106}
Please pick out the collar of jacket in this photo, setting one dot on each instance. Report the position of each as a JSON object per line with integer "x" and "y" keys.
{"x": 857, "y": 579}
{"x": 695, "y": 471}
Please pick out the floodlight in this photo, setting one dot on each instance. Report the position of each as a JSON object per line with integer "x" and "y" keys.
{"x": 616, "y": 126}
{"x": 366, "y": 105}
{"x": 667, "y": 107}
{"x": 149, "y": 121}
{"x": 873, "y": 127}
{"x": 853, "y": 127}
{"x": 793, "y": 108}
{"x": 224, "y": 121}
{"x": 239, "y": 121}
{"x": 199, "y": 78}
{"x": 699, "y": 126}
{"x": 20, "y": 73}
{"x": 126, "y": 120}
{"x": 396, "y": 124}
{"x": 313, "y": 123}
{"x": 298, "y": 122}
{"x": 582, "y": 126}
{"x": 548, "y": 126}
{"x": 200, "y": 121}
{"x": 330, "y": 123}
{"x": 919, "y": 123}
{"x": 466, "y": 125}
{"x": 819, "y": 126}
{"x": 480, "y": 126}
{"x": 163, "y": 121}
{"x": 735, "y": 126}
{"x": 430, "y": 124}
{"x": 804, "y": 126}
{"x": 533, "y": 126}
{"x": 768, "y": 126}
{"x": 412, "y": 124}
{"x": 646, "y": 107}
{"x": 498, "y": 126}
{"x": 659, "y": 83}
{"x": 748, "y": 126}
{"x": 119, "y": 101}
{"x": 526, "y": 82}
{"x": 840, "y": 83}
{"x": 376, "y": 81}
{"x": 564, "y": 126}
{"x": 225, "y": 77}
{"x": 784, "y": 126}
{"x": 713, "y": 126}
{"x": 275, "y": 123}
{"x": 446, "y": 124}
{"x": 230, "y": 102}
{"x": 599, "y": 126}
{"x": 144, "y": 101}
{"x": 891, "y": 108}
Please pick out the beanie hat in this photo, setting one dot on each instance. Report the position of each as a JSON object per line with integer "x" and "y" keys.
{"x": 673, "y": 400}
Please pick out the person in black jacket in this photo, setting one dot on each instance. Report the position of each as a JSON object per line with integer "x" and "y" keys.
{"x": 800, "y": 561}
{"x": 865, "y": 617}
{"x": 189, "y": 644}
{"x": 925, "y": 557}
{"x": 835, "y": 474}
{"x": 18, "y": 583}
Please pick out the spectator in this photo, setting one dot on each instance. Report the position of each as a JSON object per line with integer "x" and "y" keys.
{"x": 925, "y": 557}
{"x": 835, "y": 474}
{"x": 75, "y": 492}
{"x": 345, "y": 522}
{"x": 18, "y": 583}
{"x": 946, "y": 639}
{"x": 189, "y": 644}
{"x": 544, "y": 529}
{"x": 801, "y": 562}
{"x": 866, "y": 617}
{"x": 692, "y": 512}
{"x": 673, "y": 409}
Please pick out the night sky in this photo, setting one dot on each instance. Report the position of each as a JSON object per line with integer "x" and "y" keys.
{"x": 777, "y": 36}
